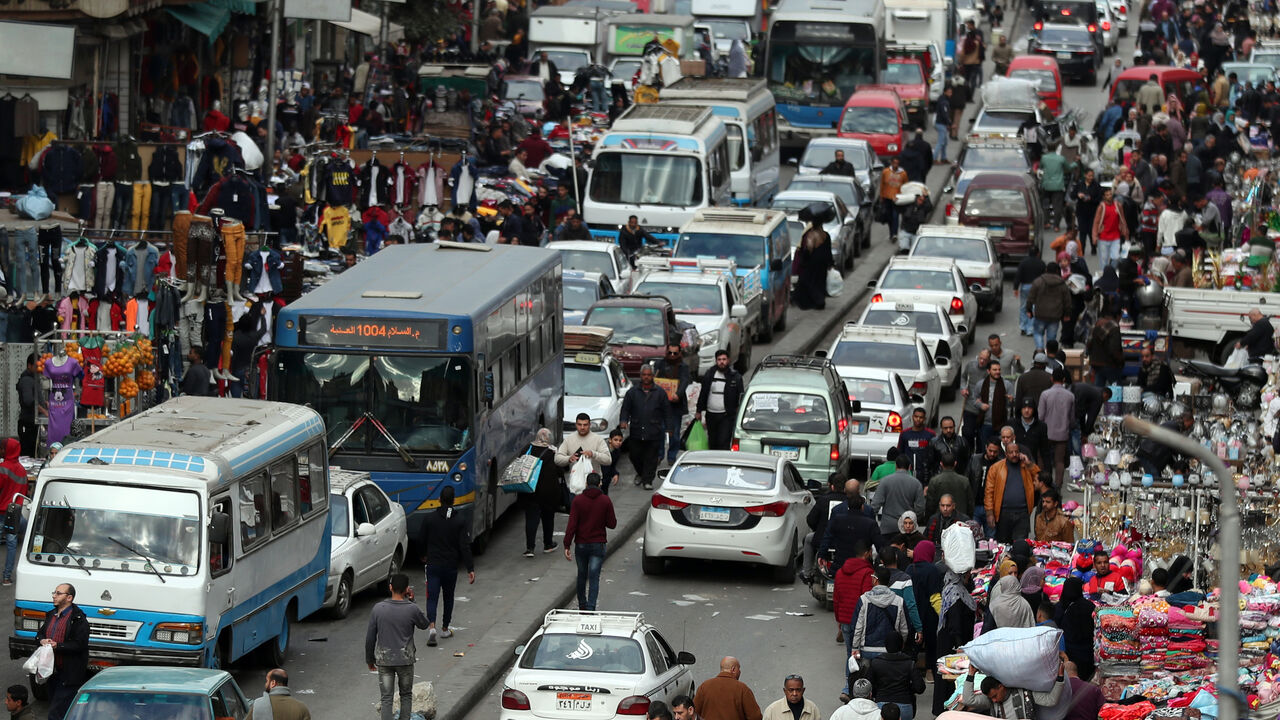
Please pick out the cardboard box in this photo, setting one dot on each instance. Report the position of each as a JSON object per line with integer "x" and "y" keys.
{"x": 1184, "y": 385}
{"x": 693, "y": 68}
{"x": 1075, "y": 357}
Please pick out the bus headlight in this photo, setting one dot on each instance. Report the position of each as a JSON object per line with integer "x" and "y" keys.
{"x": 181, "y": 633}
{"x": 27, "y": 619}
{"x": 457, "y": 477}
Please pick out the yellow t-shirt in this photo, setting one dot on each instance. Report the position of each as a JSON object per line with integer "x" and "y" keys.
{"x": 336, "y": 224}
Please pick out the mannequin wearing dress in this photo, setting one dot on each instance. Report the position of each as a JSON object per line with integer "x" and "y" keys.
{"x": 63, "y": 372}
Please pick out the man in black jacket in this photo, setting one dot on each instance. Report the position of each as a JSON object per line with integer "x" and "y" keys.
{"x": 1031, "y": 434}
{"x": 1260, "y": 340}
{"x": 1029, "y": 269}
{"x": 849, "y": 526}
{"x": 719, "y": 399}
{"x": 446, "y": 543}
{"x": 839, "y": 166}
{"x": 948, "y": 441}
{"x": 675, "y": 378}
{"x": 817, "y": 519}
{"x": 645, "y": 409}
{"x": 66, "y": 631}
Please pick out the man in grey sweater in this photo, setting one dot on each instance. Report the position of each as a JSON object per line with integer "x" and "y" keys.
{"x": 388, "y": 644}
{"x": 897, "y": 493}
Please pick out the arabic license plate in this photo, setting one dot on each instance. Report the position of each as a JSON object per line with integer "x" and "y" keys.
{"x": 1064, "y": 56}
{"x": 573, "y": 701}
{"x": 787, "y": 453}
{"x": 859, "y": 427}
{"x": 831, "y": 588}
{"x": 996, "y": 230}
{"x": 713, "y": 514}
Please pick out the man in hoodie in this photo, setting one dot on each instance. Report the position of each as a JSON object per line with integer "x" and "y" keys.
{"x": 853, "y": 579}
{"x": 880, "y": 612}
{"x": 900, "y": 584}
{"x": 1049, "y": 302}
{"x": 590, "y": 518}
{"x": 817, "y": 519}
{"x": 896, "y": 494}
{"x": 13, "y": 493}
{"x": 446, "y": 544}
{"x": 860, "y": 705}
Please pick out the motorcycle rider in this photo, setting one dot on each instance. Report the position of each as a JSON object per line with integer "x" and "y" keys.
{"x": 817, "y": 519}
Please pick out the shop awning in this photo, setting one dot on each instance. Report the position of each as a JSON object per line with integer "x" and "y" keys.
{"x": 210, "y": 18}
{"x": 370, "y": 24}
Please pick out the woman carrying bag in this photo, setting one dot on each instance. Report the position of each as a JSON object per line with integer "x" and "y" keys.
{"x": 547, "y": 497}
{"x": 813, "y": 258}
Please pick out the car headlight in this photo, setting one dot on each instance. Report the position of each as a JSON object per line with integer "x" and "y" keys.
{"x": 893, "y": 147}
{"x": 599, "y": 424}
{"x": 710, "y": 337}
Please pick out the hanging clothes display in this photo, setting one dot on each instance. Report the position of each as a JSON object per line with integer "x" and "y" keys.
{"x": 430, "y": 184}
{"x": 93, "y": 390}
{"x": 462, "y": 182}
{"x": 375, "y": 184}
{"x": 404, "y": 182}
{"x": 335, "y": 223}
{"x": 63, "y": 373}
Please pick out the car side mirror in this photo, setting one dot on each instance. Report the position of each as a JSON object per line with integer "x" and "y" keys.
{"x": 849, "y": 220}
{"x": 685, "y": 658}
{"x": 962, "y": 329}
{"x": 819, "y": 353}
{"x": 812, "y": 485}
{"x": 975, "y": 287}
{"x": 871, "y": 284}
{"x": 519, "y": 650}
{"x": 855, "y": 406}
{"x": 738, "y": 311}
{"x": 942, "y": 362}
{"x": 219, "y": 528}
{"x": 915, "y": 399}
{"x": 775, "y": 265}
{"x": 793, "y": 161}
{"x": 972, "y": 120}
{"x": 365, "y": 529}
{"x": 949, "y": 189}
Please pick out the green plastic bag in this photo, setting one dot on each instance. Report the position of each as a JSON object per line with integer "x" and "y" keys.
{"x": 697, "y": 439}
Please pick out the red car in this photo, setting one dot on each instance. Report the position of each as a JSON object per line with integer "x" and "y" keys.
{"x": 642, "y": 326}
{"x": 1008, "y": 206}
{"x": 909, "y": 77}
{"x": 1043, "y": 72}
{"x": 876, "y": 114}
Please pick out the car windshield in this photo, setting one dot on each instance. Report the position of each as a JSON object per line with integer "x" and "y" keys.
{"x": 727, "y": 29}
{"x": 723, "y": 477}
{"x": 633, "y": 178}
{"x": 746, "y": 251}
{"x": 567, "y": 60}
{"x": 587, "y": 261}
{"x": 878, "y": 120}
{"x": 919, "y": 320}
{"x": 1065, "y": 35}
{"x": 820, "y": 156}
{"x": 868, "y": 390}
{"x": 1002, "y": 120}
{"x": 999, "y": 202}
{"x": 630, "y": 325}
{"x": 992, "y": 158}
{"x": 1250, "y": 73}
{"x": 564, "y": 652}
{"x": 896, "y": 73}
{"x": 687, "y": 298}
{"x": 425, "y": 403}
{"x": 529, "y": 90}
{"x": 912, "y": 279}
{"x": 793, "y": 204}
{"x": 586, "y": 381}
{"x": 1042, "y": 79}
{"x": 624, "y": 70}
{"x": 798, "y": 69}
{"x": 955, "y": 248}
{"x": 843, "y": 189}
{"x": 868, "y": 354}
{"x": 1127, "y": 90}
{"x": 1270, "y": 56}
{"x": 737, "y": 151}
{"x": 114, "y": 527}
{"x": 100, "y": 705}
{"x": 338, "y": 515}
{"x": 579, "y": 295}
{"x": 787, "y": 412}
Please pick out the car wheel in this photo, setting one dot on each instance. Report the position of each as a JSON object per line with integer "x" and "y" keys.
{"x": 786, "y": 574}
{"x": 949, "y": 392}
{"x": 342, "y": 601}
{"x": 999, "y": 300}
{"x": 397, "y": 561}
{"x": 652, "y": 565}
{"x": 782, "y": 321}
{"x": 848, "y": 256}
{"x": 743, "y": 364}
{"x": 1093, "y": 78}
{"x": 765, "y": 333}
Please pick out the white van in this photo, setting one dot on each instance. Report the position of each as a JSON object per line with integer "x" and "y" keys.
{"x": 747, "y": 108}
{"x": 660, "y": 163}
{"x": 194, "y": 533}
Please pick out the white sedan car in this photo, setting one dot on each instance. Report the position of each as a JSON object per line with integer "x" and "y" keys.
{"x": 593, "y": 384}
{"x": 594, "y": 664}
{"x": 842, "y": 228}
{"x": 886, "y": 405}
{"x": 728, "y": 506}
{"x": 900, "y": 349}
{"x": 933, "y": 326}
{"x": 928, "y": 280}
{"x": 369, "y": 538}
{"x": 598, "y": 256}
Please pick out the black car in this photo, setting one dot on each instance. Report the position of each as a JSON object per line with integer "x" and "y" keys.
{"x": 1072, "y": 46}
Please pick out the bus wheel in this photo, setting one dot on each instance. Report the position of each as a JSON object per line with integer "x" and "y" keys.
{"x": 39, "y": 691}
{"x": 480, "y": 543}
{"x": 276, "y": 649}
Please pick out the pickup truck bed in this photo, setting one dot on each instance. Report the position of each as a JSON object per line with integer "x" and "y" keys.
{"x": 1214, "y": 316}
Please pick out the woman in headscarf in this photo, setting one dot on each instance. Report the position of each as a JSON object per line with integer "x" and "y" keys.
{"x": 956, "y": 615}
{"x": 1032, "y": 588}
{"x": 909, "y": 531}
{"x": 814, "y": 259}
{"x": 1007, "y": 607}
{"x": 1074, "y": 615}
{"x": 546, "y": 498}
{"x": 926, "y": 583}
{"x": 1180, "y": 579}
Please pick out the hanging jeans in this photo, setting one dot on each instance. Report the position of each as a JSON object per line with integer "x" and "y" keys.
{"x": 84, "y": 202}
{"x": 122, "y": 206}
{"x": 161, "y": 212}
{"x": 233, "y": 244}
{"x": 24, "y": 252}
{"x": 202, "y": 240}
{"x": 140, "y": 215}
{"x": 215, "y": 320}
{"x": 50, "y": 244}
{"x": 104, "y": 198}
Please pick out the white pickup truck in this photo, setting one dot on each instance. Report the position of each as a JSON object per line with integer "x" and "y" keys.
{"x": 722, "y": 304}
{"x": 1215, "y": 319}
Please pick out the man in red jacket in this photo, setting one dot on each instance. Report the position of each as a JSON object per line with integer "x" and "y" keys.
{"x": 590, "y": 516}
{"x": 853, "y": 579}
{"x": 13, "y": 488}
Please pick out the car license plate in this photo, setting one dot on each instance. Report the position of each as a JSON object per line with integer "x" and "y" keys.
{"x": 996, "y": 230}
{"x": 573, "y": 701}
{"x": 831, "y": 588}
{"x": 713, "y": 514}
{"x": 787, "y": 453}
{"x": 1064, "y": 56}
{"x": 859, "y": 427}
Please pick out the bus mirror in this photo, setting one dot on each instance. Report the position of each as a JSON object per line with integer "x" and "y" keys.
{"x": 219, "y": 528}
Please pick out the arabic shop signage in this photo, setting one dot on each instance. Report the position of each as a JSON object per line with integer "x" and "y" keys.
{"x": 409, "y": 334}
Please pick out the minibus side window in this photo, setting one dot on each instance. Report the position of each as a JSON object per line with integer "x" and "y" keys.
{"x": 254, "y": 527}
{"x": 284, "y": 495}
{"x": 220, "y": 553}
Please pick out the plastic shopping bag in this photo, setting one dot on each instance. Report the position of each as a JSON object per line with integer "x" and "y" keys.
{"x": 578, "y": 475}
{"x": 40, "y": 664}
{"x": 1239, "y": 358}
{"x": 697, "y": 439}
{"x": 958, "y": 549}
{"x": 1019, "y": 657}
{"x": 835, "y": 283}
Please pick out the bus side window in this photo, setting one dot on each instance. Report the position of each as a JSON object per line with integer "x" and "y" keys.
{"x": 253, "y": 511}
{"x": 220, "y": 553}
{"x": 284, "y": 495}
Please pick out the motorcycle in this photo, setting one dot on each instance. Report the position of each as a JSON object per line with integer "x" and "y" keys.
{"x": 822, "y": 585}
{"x": 1243, "y": 383}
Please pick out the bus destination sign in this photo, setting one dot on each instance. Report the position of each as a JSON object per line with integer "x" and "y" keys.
{"x": 340, "y": 331}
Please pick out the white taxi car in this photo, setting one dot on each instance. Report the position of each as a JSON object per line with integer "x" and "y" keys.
{"x": 934, "y": 327}
{"x": 886, "y": 405}
{"x": 369, "y": 538}
{"x": 596, "y": 256}
{"x": 594, "y": 382}
{"x": 596, "y": 665}
{"x": 900, "y": 349}
{"x": 928, "y": 280}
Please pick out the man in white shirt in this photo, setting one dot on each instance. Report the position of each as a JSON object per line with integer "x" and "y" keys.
{"x": 584, "y": 444}
{"x": 719, "y": 399}
{"x": 516, "y": 166}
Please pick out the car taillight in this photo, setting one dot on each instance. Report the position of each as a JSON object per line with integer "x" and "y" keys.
{"x": 1106, "y": 25}
{"x": 951, "y": 210}
{"x": 957, "y": 305}
{"x": 734, "y": 445}
{"x": 835, "y": 453}
{"x": 1038, "y": 26}
{"x": 1092, "y": 27}
{"x": 514, "y": 700}
{"x": 1123, "y": 10}
{"x": 919, "y": 388}
{"x": 634, "y": 705}
{"x": 1066, "y": 12}
{"x": 977, "y": 281}
{"x": 877, "y": 298}
{"x": 894, "y": 423}
{"x": 775, "y": 509}
{"x": 662, "y": 502}
{"x": 843, "y": 423}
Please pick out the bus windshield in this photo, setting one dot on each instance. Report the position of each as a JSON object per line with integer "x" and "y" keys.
{"x": 803, "y": 56}
{"x": 113, "y": 527}
{"x": 746, "y": 251}
{"x": 646, "y": 178}
{"x": 424, "y": 402}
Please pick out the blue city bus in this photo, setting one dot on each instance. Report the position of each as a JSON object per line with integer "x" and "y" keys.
{"x": 810, "y": 42}
{"x": 432, "y": 366}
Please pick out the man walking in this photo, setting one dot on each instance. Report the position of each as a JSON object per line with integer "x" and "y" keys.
{"x": 17, "y": 702}
{"x": 278, "y": 702}
{"x": 1058, "y": 411}
{"x": 948, "y": 441}
{"x": 672, "y": 375}
{"x": 389, "y": 647}
{"x": 896, "y": 494}
{"x": 892, "y": 179}
{"x": 197, "y": 380}
{"x": 584, "y": 444}
{"x": 66, "y": 631}
{"x": 590, "y": 517}
{"x": 848, "y": 526}
{"x": 725, "y": 697}
{"x": 721, "y": 393}
{"x": 948, "y": 482}
{"x": 13, "y": 495}
{"x": 1010, "y": 495}
{"x": 993, "y": 398}
{"x": 646, "y": 407}
{"x": 1048, "y": 303}
{"x": 971, "y": 415}
{"x": 446, "y": 544}
{"x": 942, "y": 123}
{"x": 1051, "y": 524}
{"x": 792, "y": 705}
{"x": 916, "y": 444}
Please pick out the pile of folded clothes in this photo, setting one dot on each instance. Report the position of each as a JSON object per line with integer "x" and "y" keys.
{"x": 1118, "y": 638}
